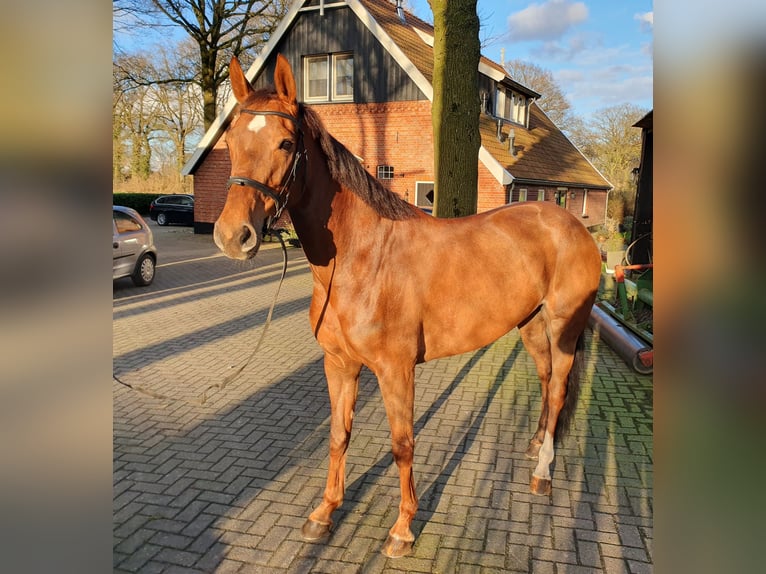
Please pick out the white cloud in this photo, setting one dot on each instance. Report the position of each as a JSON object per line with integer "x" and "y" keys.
{"x": 593, "y": 89}
{"x": 565, "y": 50}
{"x": 647, "y": 21}
{"x": 547, "y": 21}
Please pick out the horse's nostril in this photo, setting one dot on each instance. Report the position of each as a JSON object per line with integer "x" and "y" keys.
{"x": 248, "y": 238}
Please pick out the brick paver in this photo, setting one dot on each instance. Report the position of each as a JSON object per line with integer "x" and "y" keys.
{"x": 225, "y": 486}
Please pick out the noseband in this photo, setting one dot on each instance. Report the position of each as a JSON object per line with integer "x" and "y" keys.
{"x": 280, "y": 196}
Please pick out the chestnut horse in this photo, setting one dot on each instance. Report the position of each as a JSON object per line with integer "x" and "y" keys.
{"x": 394, "y": 287}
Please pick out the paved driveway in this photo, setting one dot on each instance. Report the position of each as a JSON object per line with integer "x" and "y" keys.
{"x": 225, "y": 486}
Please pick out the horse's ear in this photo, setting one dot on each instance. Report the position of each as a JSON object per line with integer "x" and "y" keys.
{"x": 284, "y": 81}
{"x": 239, "y": 84}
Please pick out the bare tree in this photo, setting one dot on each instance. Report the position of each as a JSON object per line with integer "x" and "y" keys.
{"x": 581, "y": 135}
{"x": 616, "y": 149}
{"x": 180, "y": 106}
{"x": 617, "y": 144}
{"x": 456, "y": 107}
{"x": 135, "y": 118}
{"x": 552, "y": 99}
{"x": 218, "y": 28}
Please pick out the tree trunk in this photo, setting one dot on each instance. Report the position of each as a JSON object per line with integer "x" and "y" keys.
{"x": 456, "y": 107}
{"x": 208, "y": 86}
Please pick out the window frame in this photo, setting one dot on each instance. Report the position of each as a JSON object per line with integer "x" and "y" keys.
{"x": 307, "y": 60}
{"x": 331, "y": 81}
{"x": 417, "y": 202}
{"x": 385, "y": 172}
{"x": 334, "y": 79}
{"x": 510, "y": 105}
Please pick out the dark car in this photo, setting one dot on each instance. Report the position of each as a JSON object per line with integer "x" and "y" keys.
{"x": 176, "y": 208}
{"x": 133, "y": 252}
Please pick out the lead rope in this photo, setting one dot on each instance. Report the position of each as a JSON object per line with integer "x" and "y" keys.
{"x": 228, "y": 379}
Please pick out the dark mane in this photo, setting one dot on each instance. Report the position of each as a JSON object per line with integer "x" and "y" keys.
{"x": 346, "y": 169}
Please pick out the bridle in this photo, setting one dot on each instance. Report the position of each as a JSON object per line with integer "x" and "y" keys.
{"x": 281, "y": 196}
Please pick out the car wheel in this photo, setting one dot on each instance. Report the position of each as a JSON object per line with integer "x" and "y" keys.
{"x": 162, "y": 219}
{"x": 144, "y": 271}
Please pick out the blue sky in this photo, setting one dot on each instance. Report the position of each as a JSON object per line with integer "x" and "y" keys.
{"x": 599, "y": 51}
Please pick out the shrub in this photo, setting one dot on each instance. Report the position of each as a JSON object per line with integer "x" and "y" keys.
{"x": 138, "y": 201}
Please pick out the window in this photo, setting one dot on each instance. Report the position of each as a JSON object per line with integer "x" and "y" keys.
{"x": 519, "y": 109}
{"x": 317, "y": 79}
{"x": 424, "y": 194}
{"x": 502, "y": 104}
{"x": 540, "y": 195}
{"x": 385, "y": 172}
{"x": 522, "y": 195}
{"x": 329, "y": 77}
{"x": 343, "y": 87}
{"x": 510, "y": 106}
{"x": 125, "y": 222}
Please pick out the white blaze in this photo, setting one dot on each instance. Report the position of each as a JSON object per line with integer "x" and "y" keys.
{"x": 256, "y": 124}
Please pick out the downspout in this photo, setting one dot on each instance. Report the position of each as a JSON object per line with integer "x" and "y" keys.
{"x": 584, "y": 203}
{"x": 530, "y": 101}
{"x": 606, "y": 207}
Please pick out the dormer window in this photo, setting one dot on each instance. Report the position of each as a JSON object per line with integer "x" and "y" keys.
{"x": 510, "y": 105}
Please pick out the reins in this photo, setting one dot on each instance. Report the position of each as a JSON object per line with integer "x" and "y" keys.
{"x": 280, "y": 198}
{"x": 231, "y": 377}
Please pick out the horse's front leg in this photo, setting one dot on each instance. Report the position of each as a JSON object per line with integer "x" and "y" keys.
{"x": 343, "y": 383}
{"x": 398, "y": 390}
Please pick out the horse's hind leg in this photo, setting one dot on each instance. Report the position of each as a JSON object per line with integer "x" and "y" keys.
{"x": 342, "y": 383}
{"x": 563, "y": 345}
{"x": 535, "y": 339}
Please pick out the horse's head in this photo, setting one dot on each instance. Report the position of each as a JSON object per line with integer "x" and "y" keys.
{"x": 265, "y": 147}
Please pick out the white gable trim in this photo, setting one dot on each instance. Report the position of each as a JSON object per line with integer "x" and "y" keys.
{"x": 218, "y": 126}
{"x": 497, "y": 170}
{"x": 496, "y": 75}
{"x": 396, "y": 52}
{"x": 427, "y": 38}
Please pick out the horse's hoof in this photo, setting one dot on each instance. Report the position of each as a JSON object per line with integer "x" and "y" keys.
{"x": 533, "y": 449}
{"x": 396, "y": 548}
{"x": 313, "y": 531}
{"x": 540, "y": 486}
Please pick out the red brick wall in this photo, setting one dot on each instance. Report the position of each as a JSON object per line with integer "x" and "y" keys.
{"x": 210, "y": 183}
{"x": 491, "y": 192}
{"x": 397, "y": 134}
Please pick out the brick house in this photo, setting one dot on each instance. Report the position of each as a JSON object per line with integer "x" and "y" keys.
{"x": 366, "y": 67}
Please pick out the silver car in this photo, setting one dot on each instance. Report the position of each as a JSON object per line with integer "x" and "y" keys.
{"x": 133, "y": 252}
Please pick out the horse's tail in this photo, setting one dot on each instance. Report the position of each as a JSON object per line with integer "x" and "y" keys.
{"x": 573, "y": 388}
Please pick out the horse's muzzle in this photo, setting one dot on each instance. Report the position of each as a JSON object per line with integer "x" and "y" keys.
{"x": 237, "y": 241}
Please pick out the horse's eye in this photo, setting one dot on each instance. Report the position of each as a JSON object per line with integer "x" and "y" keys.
{"x": 286, "y": 145}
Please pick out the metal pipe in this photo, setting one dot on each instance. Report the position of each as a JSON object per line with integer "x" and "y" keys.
{"x": 619, "y": 277}
{"x": 646, "y": 296}
{"x": 628, "y": 346}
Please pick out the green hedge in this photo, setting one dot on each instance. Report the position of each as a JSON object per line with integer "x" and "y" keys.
{"x": 138, "y": 201}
